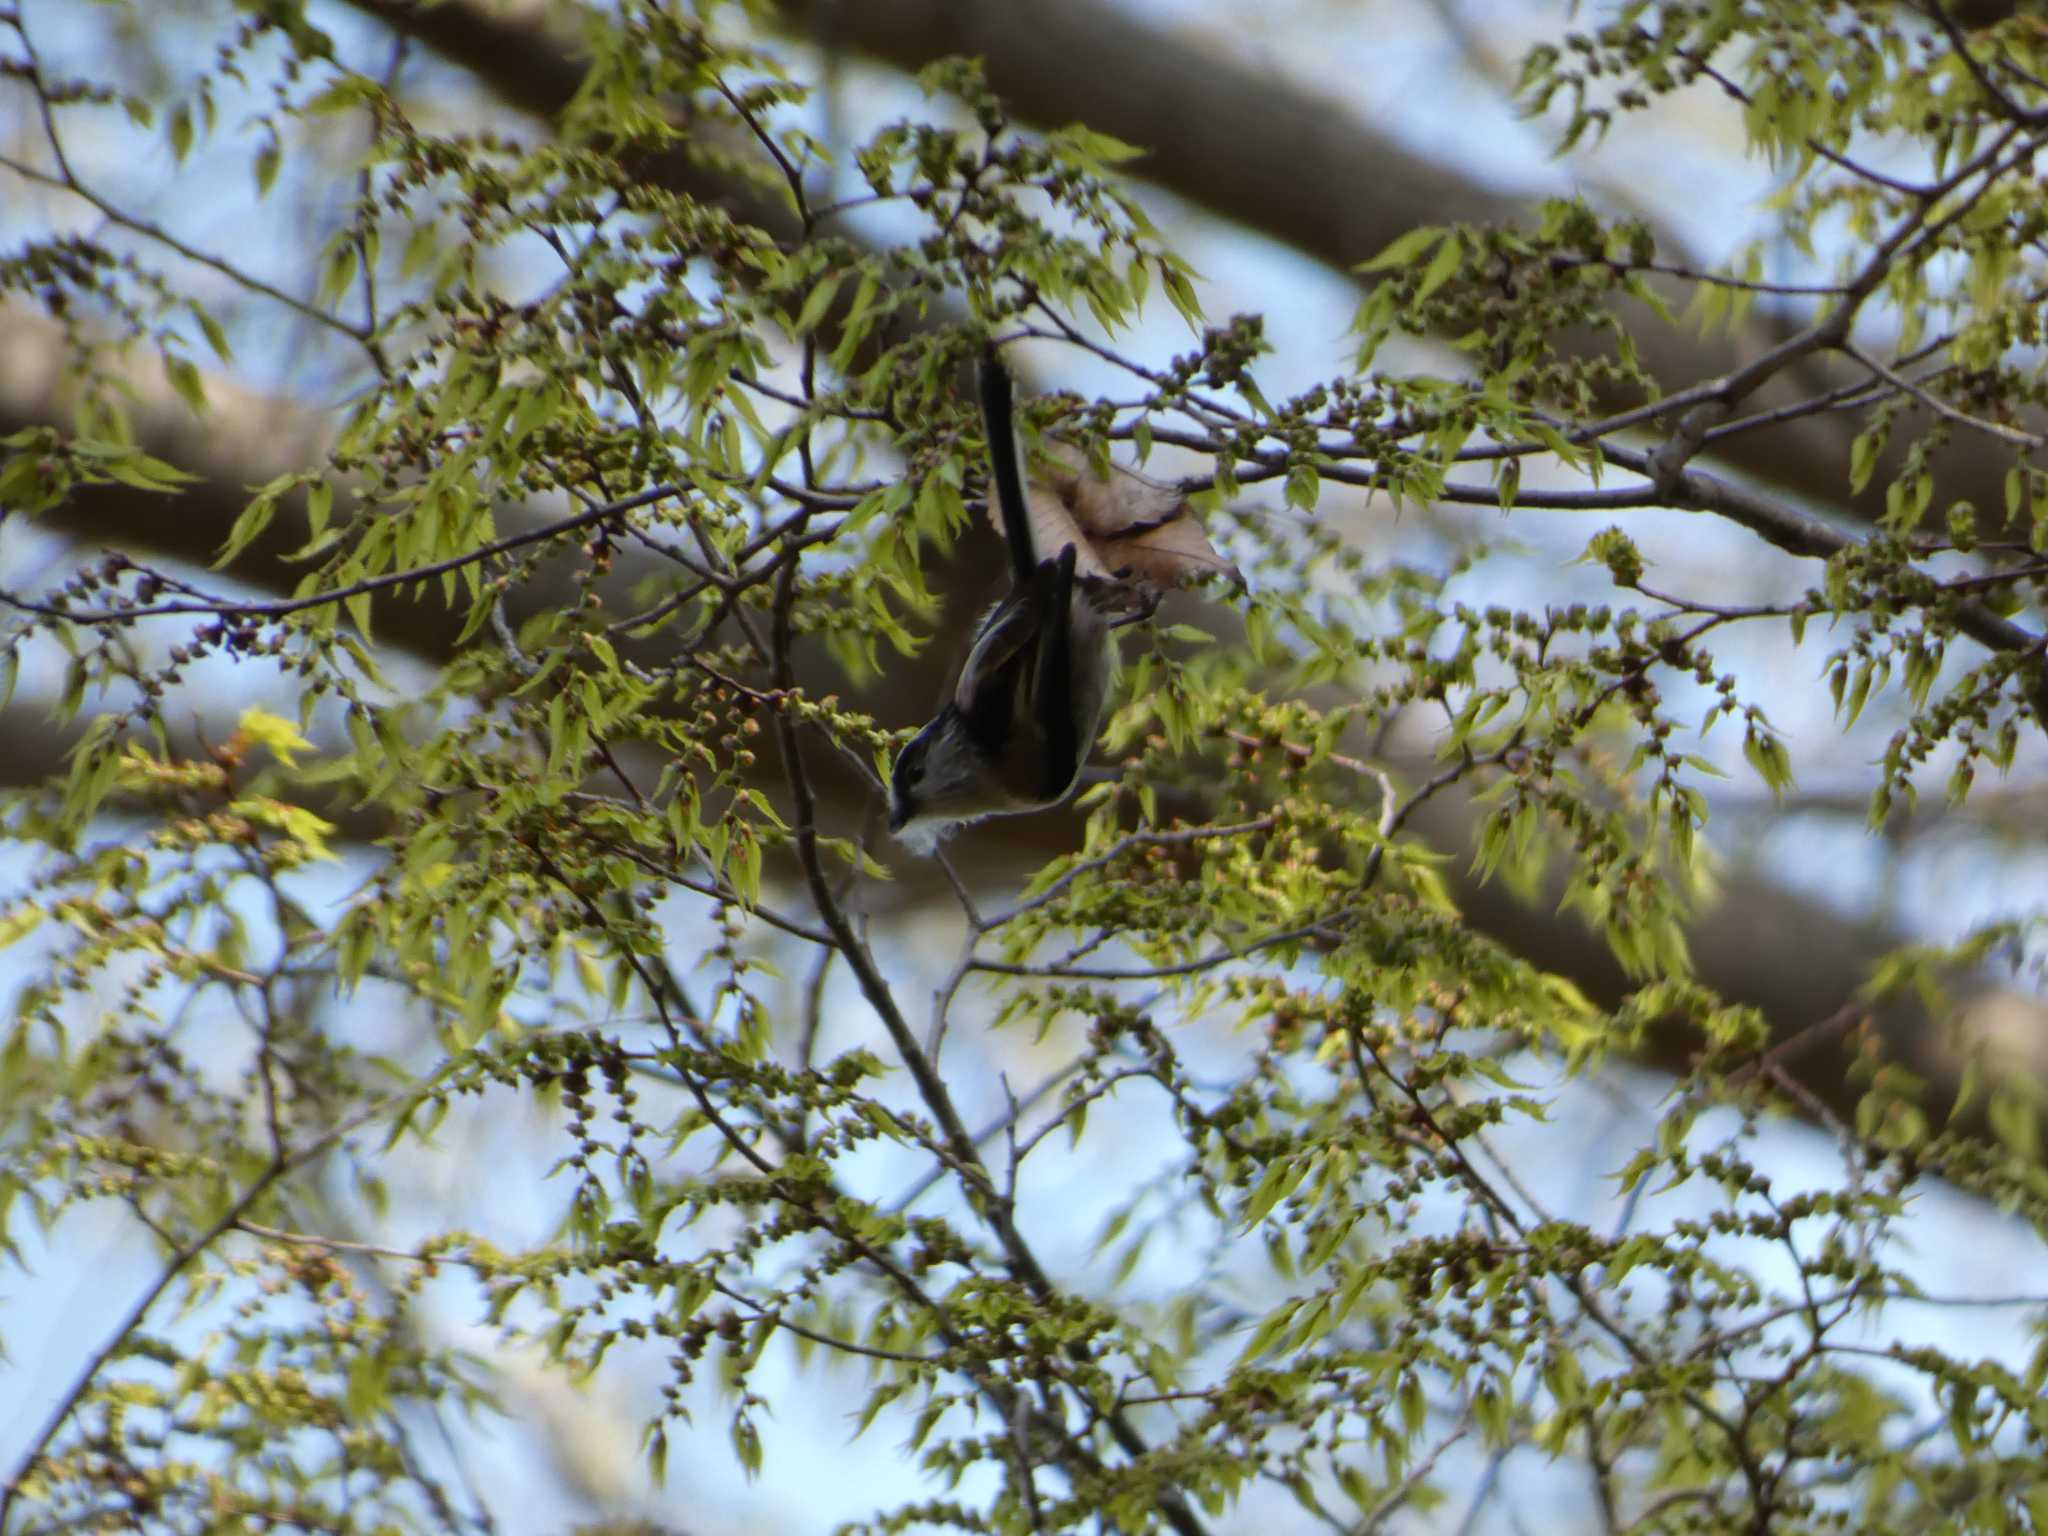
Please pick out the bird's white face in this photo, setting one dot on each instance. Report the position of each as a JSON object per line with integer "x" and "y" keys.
{"x": 920, "y": 813}
{"x": 938, "y": 784}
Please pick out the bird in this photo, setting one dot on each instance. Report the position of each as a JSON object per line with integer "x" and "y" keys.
{"x": 1023, "y": 713}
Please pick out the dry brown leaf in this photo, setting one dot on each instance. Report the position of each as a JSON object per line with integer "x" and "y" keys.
{"x": 1128, "y": 530}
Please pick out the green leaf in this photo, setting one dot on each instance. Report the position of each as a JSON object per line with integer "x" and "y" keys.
{"x": 185, "y": 380}
{"x": 248, "y": 527}
{"x": 817, "y": 303}
{"x": 268, "y": 158}
{"x": 1405, "y": 249}
{"x": 181, "y": 131}
{"x": 1863, "y": 460}
{"x": 1443, "y": 266}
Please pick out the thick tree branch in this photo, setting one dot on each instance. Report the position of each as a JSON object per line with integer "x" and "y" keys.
{"x": 243, "y": 440}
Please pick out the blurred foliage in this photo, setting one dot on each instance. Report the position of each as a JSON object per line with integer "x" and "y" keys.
{"x": 603, "y": 837}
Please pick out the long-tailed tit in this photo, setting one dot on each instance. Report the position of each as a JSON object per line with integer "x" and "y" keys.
{"x": 1028, "y": 702}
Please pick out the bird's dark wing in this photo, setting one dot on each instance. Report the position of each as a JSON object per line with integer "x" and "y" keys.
{"x": 1049, "y": 688}
{"x": 997, "y": 660}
